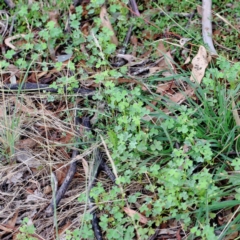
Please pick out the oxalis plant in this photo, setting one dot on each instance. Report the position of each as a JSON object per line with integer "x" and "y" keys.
{"x": 177, "y": 155}
{"x": 179, "y": 183}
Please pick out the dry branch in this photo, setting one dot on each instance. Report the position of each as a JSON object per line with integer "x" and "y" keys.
{"x": 10, "y": 3}
{"x": 207, "y": 26}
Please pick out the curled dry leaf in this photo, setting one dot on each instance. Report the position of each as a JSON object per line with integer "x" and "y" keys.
{"x": 183, "y": 41}
{"x": 131, "y": 213}
{"x": 106, "y": 23}
{"x": 128, "y": 57}
{"x": 10, "y": 39}
{"x": 199, "y": 62}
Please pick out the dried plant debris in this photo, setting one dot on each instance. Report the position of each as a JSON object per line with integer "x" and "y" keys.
{"x": 119, "y": 120}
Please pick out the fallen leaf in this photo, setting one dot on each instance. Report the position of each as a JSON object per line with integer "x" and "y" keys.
{"x": 163, "y": 87}
{"x": 64, "y": 228}
{"x": 178, "y": 236}
{"x": 181, "y": 96}
{"x": 17, "y": 177}
{"x": 35, "y": 197}
{"x": 26, "y": 143}
{"x": 27, "y": 158}
{"x": 134, "y": 42}
{"x": 128, "y": 57}
{"x": 199, "y": 62}
{"x": 131, "y": 213}
{"x": 54, "y": 16}
{"x": 61, "y": 173}
{"x": 199, "y": 10}
{"x": 161, "y": 50}
{"x": 85, "y": 167}
{"x": 106, "y": 23}
{"x": 5, "y": 229}
{"x": 187, "y": 60}
{"x": 47, "y": 190}
{"x": 183, "y": 41}
{"x": 67, "y": 138}
{"x": 12, "y": 222}
{"x": 9, "y": 39}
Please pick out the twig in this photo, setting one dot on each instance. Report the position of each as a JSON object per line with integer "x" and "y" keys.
{"x": 134, "y": 8}
{"x": 9, "y": 39}
{"x": 9, "y": 3}
{"x": 45, "y": 87}
{"x": 207, "y": 26}
{"x": 71, "y": 172}
{"x": 120, "y": 61}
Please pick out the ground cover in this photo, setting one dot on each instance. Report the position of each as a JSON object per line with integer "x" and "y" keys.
{"x": 118, "y": 120}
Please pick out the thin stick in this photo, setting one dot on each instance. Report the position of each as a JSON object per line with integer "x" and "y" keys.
{"x": 62, "y": 190}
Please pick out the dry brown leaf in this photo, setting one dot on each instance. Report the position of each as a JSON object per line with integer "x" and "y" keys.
{"x": 27, "y": 158}
{"x": 67, "y": 138}
{"x": 5, "y": 229}
{"x": 162, "y": 88}
{"x": 10, "y": 226}
{"x": 26, "y": 143}
{"x": 85, "y": 29}
{"x": 54, "y": 16}
{"x": 178, "y": 236}
{"x": 12, "y": 222}
{"x": 181, "y": 96}
{"x": 134, "y": 42}
{"x": 154, "y": 103}
{"x": 161, "y": 50}
{"x": 47, "y": 190}
{"x": 61, "y": 173}
{"x": 199, "y": 62}
{"x": 231, "y": 236}
{"x": 199, "y": 10}
{"x": 187, "y": 60}
{"x": 17, "y": 177}
{"x": 85, "y": 166}
{"x": 106, "y": 23}
{"x": 64, "y": 228}
{"x": 128, "y": 57}
{"x": 35, "y": 197}
{"x": 131, "y": 213}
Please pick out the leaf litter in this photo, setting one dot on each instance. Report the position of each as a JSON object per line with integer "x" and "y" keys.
{"x": 45, "y": 133}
